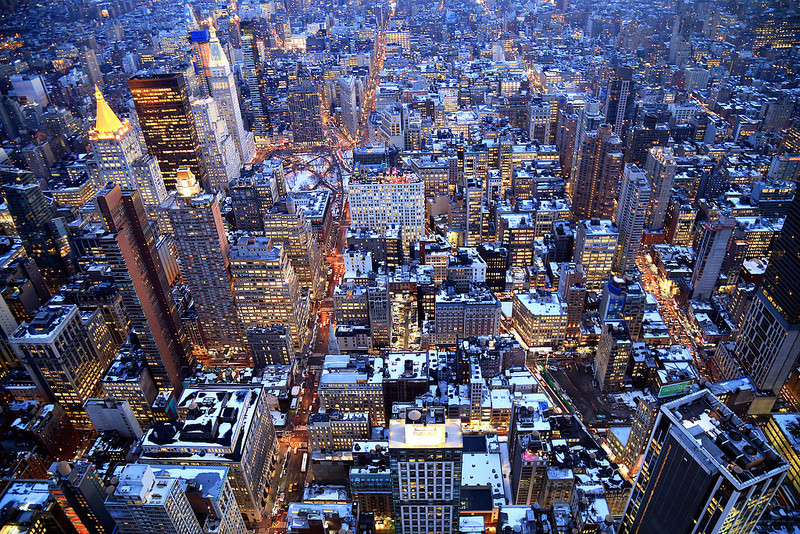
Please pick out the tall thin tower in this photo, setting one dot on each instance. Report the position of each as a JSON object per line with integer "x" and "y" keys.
{"x": 634, "y": 201}
{"x": 223, "y": 90}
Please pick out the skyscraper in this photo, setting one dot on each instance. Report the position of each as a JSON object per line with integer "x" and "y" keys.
{"x": 572, "y": 291}
{"x": 426, "y": 454}
{"x": 769, "y": 343}
{"x": 287, "y": 225}
{"x": 704, "y": 470}
{"x": 223, "y": 90}
{"x": 347, "y": 100}
{"x": 266, "y": 287}
{"x": 634, "y": 201}
{"x": 252, "y": 70}
{"x": 599, "y": 166}
{"x": 81, "y": 493}
{"x": 203, "y": 250}
{"x": 613, "y": 352}
{"x": 121, "y": 157}
{"x": 304, "y": 110}
{"x": 710, "y": 255}
{"x": 620, "y": 101}
{"x": 166, "y": 121}
{"x": 219, "y": 152}
{"x": 595, "y": 246}
{"x": 660, "y": 169}
{"x": 139, "y": 273}
{"x": 43, "y": 234}
{"x": 57, "y": 350}
{"x": 376, "y": 202}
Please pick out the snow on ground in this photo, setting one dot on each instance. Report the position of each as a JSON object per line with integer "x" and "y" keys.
{"x": 303, "y": 180}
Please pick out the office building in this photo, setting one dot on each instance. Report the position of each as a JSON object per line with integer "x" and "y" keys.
{"x": 595, "y": 246}
{"x": 122, "y": 159}
{"x": 353, "y": 384}
{"x": 219, "y": 152}
{"x": 540, "y": 318}
{"x": 117, "y": 415}
{"x": 166, "y": 121}
{"x": 660, "y": 168}
{"x": 305, "y": 114}
{"x": 769, "y": 342}
{"x": 203, "y": 251}
{"x": 348, "y": 101}
{"x": 225, "y": 94}
{"x": 379, "y": 306}
{"x": 540, "y": 118}
{"x": 266, "y": 289}
{"x": 129, "y": 248}
{"x": 270, "y": 345}
{"x": 337, "y": 431}
{"x": 144, "y": 502}
{"x": 783, "y": 433}
{"x": 28, "y": 506}
{"x": 254, "y": 192}
{"x": 613, "y": 352}
{"x": 426, "y": 455}
{"x": 572, "y": 292}
{"x": 471, "y": 313}
{"x": 223, "y": 425}
{"x": 286, "y": 225}
{"x": 599, "y": 166}
{"x": 81, "y": 493}
{"x": 620, "y": 99}
{"x": 57, "y": 351}
{"x": 704, "y": 470}
{"x": 714, "y": 239}
{"x": 380, "y": 201}
{"x": 634, "y": 204}
{"x": 129, "y": 379}
{"x": 43, "y": 234}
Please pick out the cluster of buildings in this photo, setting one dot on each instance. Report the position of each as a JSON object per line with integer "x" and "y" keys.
{"x": 484, "y": 266}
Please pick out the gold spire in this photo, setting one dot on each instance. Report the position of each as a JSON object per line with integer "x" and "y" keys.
{"x": 107, "y": 121}
{"x": 216, "y": 56}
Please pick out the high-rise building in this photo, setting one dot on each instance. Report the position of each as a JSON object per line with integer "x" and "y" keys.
{"x": 252, "y": 73}
{"x": 130, "y": 250}
{"x": 225, "y": 425}
{"x": 680, "y": 43}
{"x": 714, "y": 239}
{"x": 379, "y": 305}
{"x": 595, "y": 246}
{"x": 81, "y": 493}
{"x": 347, "y": 100}
{"x": 769, "y": 342}
{"x": 225, "y": 94}
{"x": 660, "y": 169}
{"x": 266, "y": 288}
{"x": 572, "y": 291}
{"x": 117, "y": 415}
{"x": 90, "y": 66}
{"x": 634, "y": 203}
{"x": 613, "y": 352}
{"x": 203, "y": 251}
{"x": 540, "y": 118}
{"x": 254, "y": 192}
{"x": 679, "y": 222}
{"x": 121, "y": 157}
{"x": 704, "y": 470}
{"x": 426, "y": 455}
{"x": 219, "y": 152}
{"x": 43, "y": 234}
{"x": 377, "y": 202}
{"x": 166, "y": 120}
{"x": 598, "y": 170}
{"x": 304, "y": 111}
{"x": 620, "y": 99}
{"x": 271, "y": 345}
{"x": 287, "y": 225}
{"x": 57, "y": 351}
{"x": 353, "y": 384}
